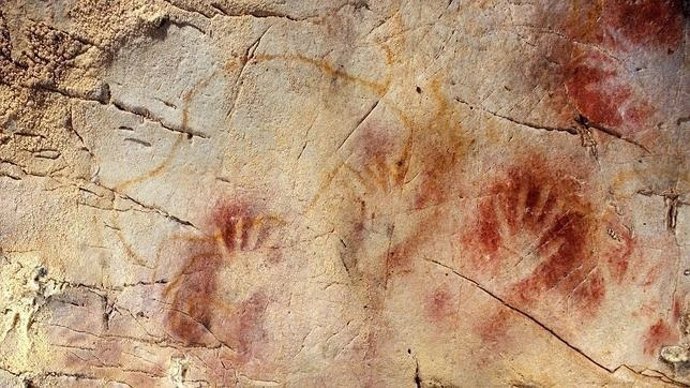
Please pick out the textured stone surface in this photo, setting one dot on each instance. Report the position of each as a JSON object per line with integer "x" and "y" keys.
{"x": 344, "y": 193}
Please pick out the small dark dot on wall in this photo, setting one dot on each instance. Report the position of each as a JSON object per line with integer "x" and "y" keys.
{"x": 419, "y": 90}
{"x": 409, "y": 351}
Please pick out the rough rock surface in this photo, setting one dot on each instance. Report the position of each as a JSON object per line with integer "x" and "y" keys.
{"x": 344, "y": 193}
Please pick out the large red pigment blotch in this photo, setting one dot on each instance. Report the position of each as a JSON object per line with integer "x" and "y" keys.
{"x": 599, "y": 62}
{"x": 623, "y": 25}
{"x": 658, "y": 335}
{"x": 599, "y": 92}
{"x": 194, "y": 303}
{"x": 536, "y": 231}
{"x": 656, "y": 23}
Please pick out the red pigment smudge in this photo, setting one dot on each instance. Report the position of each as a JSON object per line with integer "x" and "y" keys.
{"x": 193, "y": 299}
{"x": 249, "y": 325}
{"x": 622, "y": 25}
{"x": 434, "y": 186}
{"x": 380, "y": 159}
{"x": 620, "y": 248}
{"x": 439, "y": 305}
{"x": 658, "y": 335}
{"x": 493, "y": 330}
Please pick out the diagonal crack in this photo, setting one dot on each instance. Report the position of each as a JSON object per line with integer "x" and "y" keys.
{"x": 660, "y": 375}
{"x": 523, "y": 314}
{"x": 536, "y": 126}
{"x": 152, "y": 208}
{"x": 244, "y": 60}
{"x": 255, "y": 13}
{"x": 148, "y": 115}
{"x": 359, "y": 122}
{"x": 188, "y": 9}
{"x": 104, "y": 99}
{"x": 583, "y": 121}
{"x": 580, "y": 120}
{"x": 220, "y": 10}
{"x": 81, "y": 183}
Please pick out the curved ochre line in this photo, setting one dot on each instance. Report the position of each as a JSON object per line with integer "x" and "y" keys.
{"x": 379, "y": 88}
{"x": 157, "y": 171}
